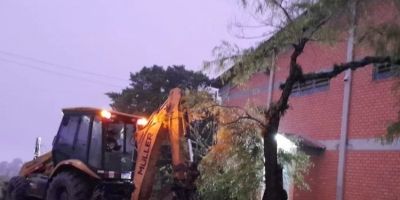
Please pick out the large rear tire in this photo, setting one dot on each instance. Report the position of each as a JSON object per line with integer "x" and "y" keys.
{"x": 69, "y": 186}
{"x": 16, "y": 189}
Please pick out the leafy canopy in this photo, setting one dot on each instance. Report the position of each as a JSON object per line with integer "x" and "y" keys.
{"x": 232, "y": 167}
{"x": 150, "y": 87}
{"x": 285, "y": 23}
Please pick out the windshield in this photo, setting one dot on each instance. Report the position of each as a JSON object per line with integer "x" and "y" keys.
{"x": 119, "y": 146}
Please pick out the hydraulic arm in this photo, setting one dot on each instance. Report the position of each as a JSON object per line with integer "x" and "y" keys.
{"x": 168, "y": 122}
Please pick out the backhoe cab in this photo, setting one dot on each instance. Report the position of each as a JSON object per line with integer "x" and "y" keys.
{"x": 93, "y": 157}
{"x": 100, "y": 155}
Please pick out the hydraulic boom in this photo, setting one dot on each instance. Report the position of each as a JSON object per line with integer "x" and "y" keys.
{"x": 168, "y": 122}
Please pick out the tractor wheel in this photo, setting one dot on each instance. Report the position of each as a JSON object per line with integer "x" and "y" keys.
{"x": 16, "y": 189}
{"x": 69, "y": 186}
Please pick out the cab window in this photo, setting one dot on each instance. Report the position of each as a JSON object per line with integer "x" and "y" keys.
{"x": 118, "y": 145}
{"x": 95, "y": 145}
{"x": 81, "y": 145}
{"x": 114, "y": 142}
{"x": 68, "y": 129}
{"x": 64, "y": 144}
{"x": 130, "y": 140}
{"x": 114, "y": 134}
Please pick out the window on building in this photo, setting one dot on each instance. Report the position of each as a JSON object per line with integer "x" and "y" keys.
{"x": 382, "y": 71}
{"x": 310, "y": 86}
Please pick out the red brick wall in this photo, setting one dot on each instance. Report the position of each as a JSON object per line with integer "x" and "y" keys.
{"x": 372, "y": 175}
{"x": 373, "y": 105}
{"x": 257, "y": 98}
{"x": 317, "y": 115}
{"x": 322, "y": 180}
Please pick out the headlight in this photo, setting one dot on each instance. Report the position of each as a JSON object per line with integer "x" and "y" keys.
{"x": 126, "y": 175}
{"x": 142, "y": 122}
{"x": 105, "y": 114}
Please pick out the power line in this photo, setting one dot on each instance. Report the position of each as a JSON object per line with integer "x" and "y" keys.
{"x": 57, "y": 73}
{"x": 59, "y": 65}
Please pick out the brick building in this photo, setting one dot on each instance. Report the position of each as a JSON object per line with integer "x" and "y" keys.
{"x": 344, "y": 115}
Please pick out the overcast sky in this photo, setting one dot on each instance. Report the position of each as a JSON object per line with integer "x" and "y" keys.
{"x": 67, "y": 53}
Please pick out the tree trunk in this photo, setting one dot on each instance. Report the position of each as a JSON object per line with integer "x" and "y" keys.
{"x": 273, "y": 171}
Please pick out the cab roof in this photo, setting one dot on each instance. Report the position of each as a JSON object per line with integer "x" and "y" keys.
{"x": 98, "y": 110}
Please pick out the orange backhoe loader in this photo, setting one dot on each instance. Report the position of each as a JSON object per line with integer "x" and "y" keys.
{"x": 99, "y": 154}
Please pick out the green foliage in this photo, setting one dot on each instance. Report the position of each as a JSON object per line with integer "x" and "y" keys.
{"x": 198, "y": 103}
{"x": 385, "y": 39}
{"x": 231, "y": 162}
{"x": 202, "y": 121}
{"x": 164, "y": 179}
{"x": 150, "y": 86}
{"x": 297, "y": 165}
{"x": 202, "y": 136}
{"x": 392, "y": 134}
{"x": 3, "y": 189}
{"x": 233, "y": 168}
{"x": 10, "y": 169}
{"x": 288, "y": 22}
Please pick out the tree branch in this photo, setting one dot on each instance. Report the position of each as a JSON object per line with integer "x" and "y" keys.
{"x": 242, "y": 118}
{"x": 294, "y": 74}
{"x": 339, "y": 68}
{"x": 246, "y": 115}
{"x": 285, "y": 12}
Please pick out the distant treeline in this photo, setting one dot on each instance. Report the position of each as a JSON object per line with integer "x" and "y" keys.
{"x": 9, "y": 169}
